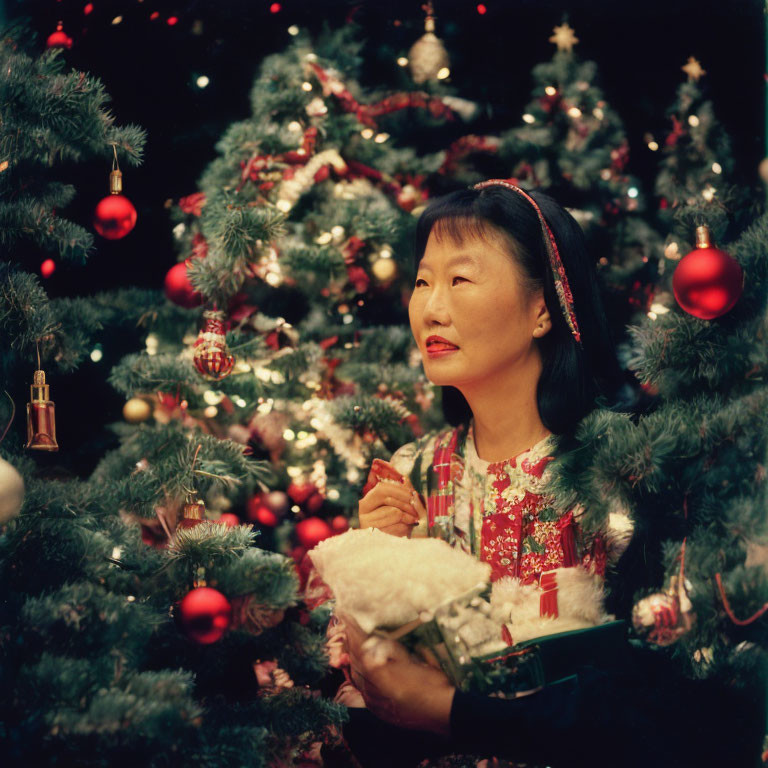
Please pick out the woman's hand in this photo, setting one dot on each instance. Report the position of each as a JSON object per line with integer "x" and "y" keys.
{"x": 389, "y": 506}
{"x": 395, "y": 686}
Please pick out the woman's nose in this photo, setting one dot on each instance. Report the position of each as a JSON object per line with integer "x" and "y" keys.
{"x": 436, "y": 309}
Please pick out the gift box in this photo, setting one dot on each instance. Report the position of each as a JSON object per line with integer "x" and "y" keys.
{"x": 460, "y": 637}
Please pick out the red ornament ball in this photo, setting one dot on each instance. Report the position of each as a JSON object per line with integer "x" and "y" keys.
{"x": 229, "y": 519}
{"x": 312, "y": 531}
{"x": 300, "y": 492}
{"x": 707, "y": 282}
{"x": 339, "y": 524}
{"x": 179, "y": 290}
{"x": 267, "y": 508}
{"x": 59, "y": 38}
{"x": 114, "y": 217}
{"x": 205, "y": 614}
{"x": 48, "y": 267}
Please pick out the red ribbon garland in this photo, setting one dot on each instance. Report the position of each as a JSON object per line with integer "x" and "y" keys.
{"x": 738, "y": 622}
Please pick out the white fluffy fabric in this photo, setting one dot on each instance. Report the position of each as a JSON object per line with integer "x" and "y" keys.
{"x": 579, "y": 604}
{"x": 385, "y": 581}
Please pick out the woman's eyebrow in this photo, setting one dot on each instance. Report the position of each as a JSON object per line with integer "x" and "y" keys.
{"x": 461, "y": 259}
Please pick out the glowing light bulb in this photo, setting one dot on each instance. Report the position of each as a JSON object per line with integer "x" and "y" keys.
{"x": 367, "y": 133}
{"x": 550, "y": 90}
{"x": 293, "y": 30}
{"x": 693, "y": 120}
{"x": 632, "y": 192}
{"x": 653, "y": 146}
{"x": 306, "y": 86}
{"x": 210, "y": 411}
{"x": 289, "y": 434}
{"x": 117, "y": 20}
{"x": 294, "y": 125}
{"x": 574, "y": 112}
{"x": 381, "y": 138}
{"x": 96, "y": 354}
{"x": 213, "y": 398}
{"x": 202, "y": 81}
{"x": 443, "y": 73}
{"x": 717, "y": 168}
{"x": 528, "y": 118}
{"x": 402, "y": 61}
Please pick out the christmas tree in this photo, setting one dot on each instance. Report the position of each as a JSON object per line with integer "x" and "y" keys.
{"x": 301, "y": 231}
{"x": 117, "y": 652}
{"x": 696, "y": 171}
{"x": 689, "y": 474}
{"x": 572, "y": 143}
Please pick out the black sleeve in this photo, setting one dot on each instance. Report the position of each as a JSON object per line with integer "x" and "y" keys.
{"x": 533, "y": 728}
{"x": 648, "y": 716}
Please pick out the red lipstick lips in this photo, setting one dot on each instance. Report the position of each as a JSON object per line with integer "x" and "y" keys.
{"x": 437, "y": 346}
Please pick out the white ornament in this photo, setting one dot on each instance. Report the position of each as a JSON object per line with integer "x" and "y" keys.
{"x": 11, "y": 491}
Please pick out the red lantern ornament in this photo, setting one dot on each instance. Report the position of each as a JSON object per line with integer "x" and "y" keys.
{"x": 59, "y": 38}
{"x": 229, "y": 519}
{"x": 212, "y": 357}
{"x": 707, "y": 281}
{"x": 115, "y": 215}
{"x": 312, "y": 531}
{"x": 205, "y": 615}
{"x": 179, "y": 289}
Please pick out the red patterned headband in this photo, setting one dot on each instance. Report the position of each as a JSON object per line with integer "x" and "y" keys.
{"x": 558, "y": 270}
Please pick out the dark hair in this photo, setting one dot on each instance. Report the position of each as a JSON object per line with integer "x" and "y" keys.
{"x": 573, "y": 376}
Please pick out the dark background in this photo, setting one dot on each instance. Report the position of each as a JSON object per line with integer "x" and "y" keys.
{"x": 149, "y": 68}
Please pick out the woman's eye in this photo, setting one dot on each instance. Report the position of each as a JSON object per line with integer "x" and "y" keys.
{"x": 458, "y": 277}
{"x": 420, "y": 281}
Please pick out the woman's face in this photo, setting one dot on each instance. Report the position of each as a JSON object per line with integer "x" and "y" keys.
{"x": 469, "y": 312}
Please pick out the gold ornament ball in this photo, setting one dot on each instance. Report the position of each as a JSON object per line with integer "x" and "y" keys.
{"x": 136, "y": 410}
{"x": 762, "y": 170}
{"x": 11, "y": 491}
{"x": 427, "y": 56}
{"x": 384, "y": 270}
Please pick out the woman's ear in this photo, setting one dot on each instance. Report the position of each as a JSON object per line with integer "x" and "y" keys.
{"x": 543, "y": 321}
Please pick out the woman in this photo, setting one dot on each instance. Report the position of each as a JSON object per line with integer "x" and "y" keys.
{"x": 507, "y": 316}
{"x": 508, "y": 319}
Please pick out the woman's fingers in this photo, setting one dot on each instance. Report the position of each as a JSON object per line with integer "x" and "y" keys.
{"x": 386, "y": 489}
{"x": 416, "y": 503}
{"x": 388, "y": 495}
{"x": 384, "y": 516}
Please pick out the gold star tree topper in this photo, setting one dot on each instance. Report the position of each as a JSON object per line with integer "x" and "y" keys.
{"x": 564, "y": 38}
{"x": 693, "y": 69}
